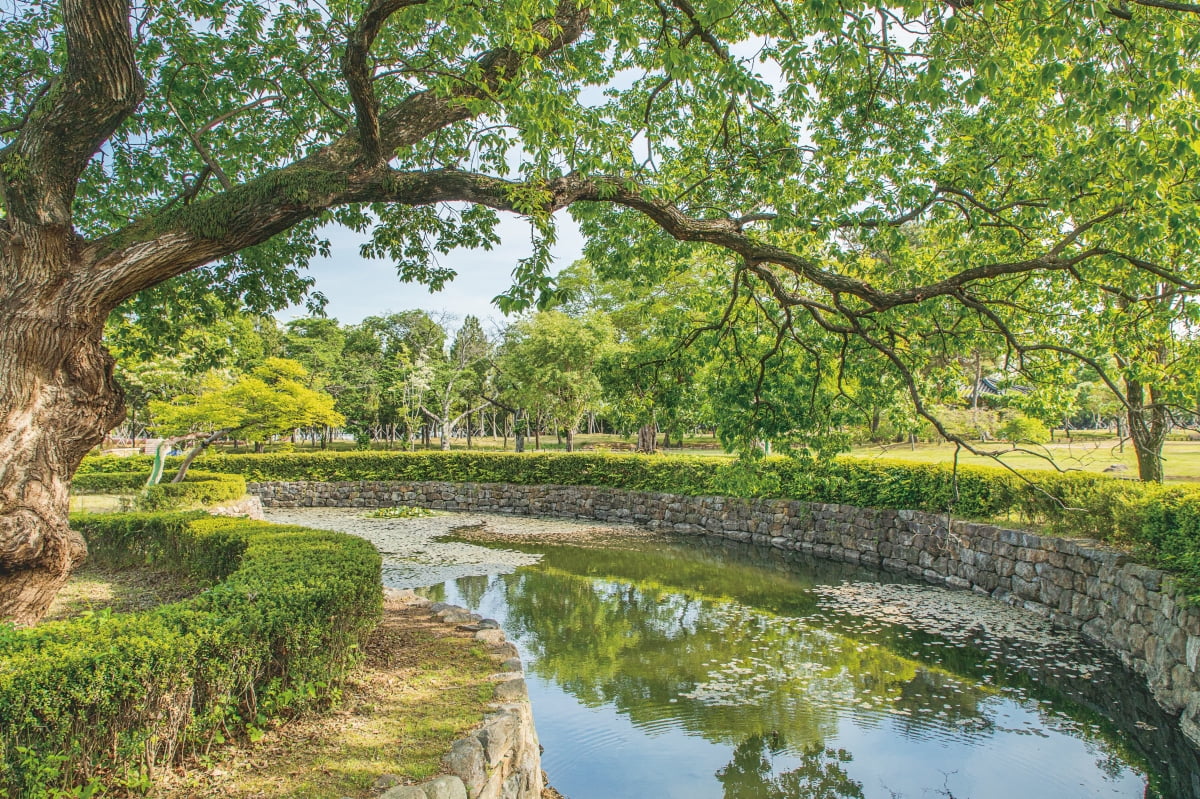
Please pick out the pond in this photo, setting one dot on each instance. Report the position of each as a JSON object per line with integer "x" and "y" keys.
{"x": 668, "y": 668}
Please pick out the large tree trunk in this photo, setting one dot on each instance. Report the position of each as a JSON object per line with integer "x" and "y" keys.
{"x": 570, "y": 439}
{"x": 57, "y": 400}
{"x": 519, "y": 425}
{"x": 1148, "y": 427}
{"x": 648, "y": 438}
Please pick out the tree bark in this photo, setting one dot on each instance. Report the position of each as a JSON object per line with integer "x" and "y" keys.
{"x": 648, "y": 438}
{"x": 1148, "y": 427}
{"x": 204, "y": 444}
{"x": 57, "y": 400}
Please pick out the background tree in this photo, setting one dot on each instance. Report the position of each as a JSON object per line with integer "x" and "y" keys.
{"x": 270, "y": 401}
{"x": 552, "y": 358}
{"x": 470, "y": 356}
{"x": 649, "y": 374}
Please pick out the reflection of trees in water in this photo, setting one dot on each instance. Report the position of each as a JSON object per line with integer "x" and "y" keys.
{"x": 820, "y": 775}
{"x": 642, "y": 629}
{"x": 434, "y": 593}
{"x": 657, "y": 654}
{"x": 472, "y": 589}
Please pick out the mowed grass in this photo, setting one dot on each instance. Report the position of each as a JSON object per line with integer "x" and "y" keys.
{"x": 1181, "y": 459}
{"x": 1087, "y": 451}
{"x": 98, "y": 503}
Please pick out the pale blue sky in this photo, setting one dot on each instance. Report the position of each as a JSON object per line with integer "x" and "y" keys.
{"x": 358, "y": 287}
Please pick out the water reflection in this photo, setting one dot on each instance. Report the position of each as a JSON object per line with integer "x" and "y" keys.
{"x": 661, "y": 670}
{"x": 821, "y": 775}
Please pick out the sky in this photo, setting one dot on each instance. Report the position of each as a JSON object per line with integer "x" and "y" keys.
{"x": 358, "y": 287}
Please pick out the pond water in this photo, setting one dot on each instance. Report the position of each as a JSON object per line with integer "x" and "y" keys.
{"x": 660, "y": 668}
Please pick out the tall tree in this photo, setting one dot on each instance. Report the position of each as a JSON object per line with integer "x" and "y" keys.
{"x": 470, "y": 355}
{"x": 209, "y": 141}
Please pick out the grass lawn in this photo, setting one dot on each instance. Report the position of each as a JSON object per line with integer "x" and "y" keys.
{"x": 1090, "y": 451}
{"x": 1181, "y": 458}
{"x": 97, "y": 503}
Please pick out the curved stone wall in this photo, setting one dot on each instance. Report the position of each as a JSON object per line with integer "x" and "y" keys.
{"x": 1129, "y": 608}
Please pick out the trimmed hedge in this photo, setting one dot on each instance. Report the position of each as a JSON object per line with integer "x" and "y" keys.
{"x": 1080, "y": 503}
{"x": 197, "y": 489}
{"x": 101, "y": 700}
{"x": 1162, "y": 524}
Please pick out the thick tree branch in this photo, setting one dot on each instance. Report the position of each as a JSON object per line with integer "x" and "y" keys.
{"x": 249, "y": 223}
{"x": 1187, "y": 8}
{"x": 153, "y": 249}
{"x": 358, "y": 71}
{"x": 98, "y": 88}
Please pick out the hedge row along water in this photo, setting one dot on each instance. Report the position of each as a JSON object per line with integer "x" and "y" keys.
{"x": 104, "y": 699}
{"x": 1162, "y": 522}
{"x": 197, "y": 489}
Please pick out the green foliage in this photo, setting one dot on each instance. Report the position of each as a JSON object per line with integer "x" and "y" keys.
{"x": 198, "y": 489}
{"x": 1024, "y": 430}
{"x": 551, "y": 359}
{"x": 1166, "y": 523}
{"x": 271, "y": 400}
{"x": 109, "y": 697}
{"x": 969, "y": 492}
{"x": 115, "y": 482}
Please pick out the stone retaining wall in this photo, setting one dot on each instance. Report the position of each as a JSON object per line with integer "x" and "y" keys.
{"x": 1079, "y": 584}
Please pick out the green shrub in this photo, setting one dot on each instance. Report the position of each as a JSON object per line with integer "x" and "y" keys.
{"x": 104, "y": 699}
{"x": 1085, "y": 504}
{"x": 199, "y": 488}
{"x": 107, "y": 464}
{"x": 109, "y": 482}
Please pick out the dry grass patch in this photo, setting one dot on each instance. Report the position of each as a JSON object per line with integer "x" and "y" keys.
{"x": 422, "y": 686}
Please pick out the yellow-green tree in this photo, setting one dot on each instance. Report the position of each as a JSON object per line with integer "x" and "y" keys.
{"x": 272, "y": 400}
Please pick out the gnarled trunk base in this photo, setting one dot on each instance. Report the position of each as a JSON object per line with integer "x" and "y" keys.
{"x": 49, "y": 552}
{"x": 57, "y": 400}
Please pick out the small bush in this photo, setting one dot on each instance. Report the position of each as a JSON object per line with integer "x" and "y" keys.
{"x": 102, "y": 700}
{"x": 109, "y": 482}
{"x": 199, "y": 488}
